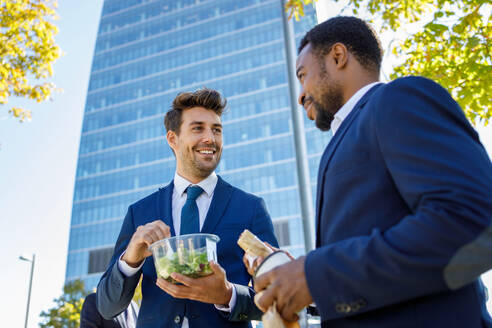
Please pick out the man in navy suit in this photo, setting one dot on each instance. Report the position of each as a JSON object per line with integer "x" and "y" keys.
{"x": 404, "y": 199}
{"x": 197, "y": 200}
{"x": 91, "y": 318}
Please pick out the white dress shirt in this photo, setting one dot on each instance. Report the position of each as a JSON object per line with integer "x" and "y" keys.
{"x": 348, "y": 106}
{"x": 178, "y": 200}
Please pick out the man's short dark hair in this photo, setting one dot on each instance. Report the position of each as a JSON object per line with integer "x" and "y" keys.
{"x": 207, "y": 98}
{"x": 357, "y": 35}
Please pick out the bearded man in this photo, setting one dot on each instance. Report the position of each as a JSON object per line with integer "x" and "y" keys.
{"x": 403, "y": 208}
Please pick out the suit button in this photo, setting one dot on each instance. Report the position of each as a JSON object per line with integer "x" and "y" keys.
{"x": 177, "y": 319}
{"x": 361, "y": 303}
{"x": 354, "y": 306}
{"x": 194, "y": 316}
{"x": 343, "y": 308}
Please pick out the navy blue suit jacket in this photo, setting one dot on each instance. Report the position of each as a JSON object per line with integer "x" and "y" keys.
{"x": 231, "y": 211}
{"x": 91, "y": 318}
{"x": 404, "y": 209}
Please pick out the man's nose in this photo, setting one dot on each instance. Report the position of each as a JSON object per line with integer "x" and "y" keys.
{"x": 209, "y": 136}
{"x": 302, "y": 97}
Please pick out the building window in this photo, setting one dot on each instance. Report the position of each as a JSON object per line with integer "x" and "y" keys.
{"x": 281, "y": 230}
{"x": 99, "y": 259}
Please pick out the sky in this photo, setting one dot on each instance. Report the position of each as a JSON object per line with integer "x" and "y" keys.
{"x": 37, "y": 173}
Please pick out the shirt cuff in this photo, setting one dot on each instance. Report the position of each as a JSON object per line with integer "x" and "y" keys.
{"x": 127, "y": 270}
{"x": 232, "y": 302}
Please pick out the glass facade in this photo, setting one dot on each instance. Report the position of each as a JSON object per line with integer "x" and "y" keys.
{"x": 146, "y": 52}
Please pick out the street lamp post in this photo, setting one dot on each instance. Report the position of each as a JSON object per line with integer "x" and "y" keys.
{"x": 30, "y": 284}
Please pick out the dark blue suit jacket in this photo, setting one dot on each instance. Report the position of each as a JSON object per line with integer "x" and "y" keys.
{"x": 91, "y": 318}
{"x": 404, "y": 209}
{"x": 231, "y": 211}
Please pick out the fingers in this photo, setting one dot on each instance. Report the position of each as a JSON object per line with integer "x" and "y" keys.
{"x": 183, "y": 279}
{"x": 257, "y": 298}
{"x": 288, "y": 310}
{"x": 251, "y": 263}
{"x": 257, "y": 262}
{"x": 162, "y": 230}
{"x": 289, "y": 316}
{"x": 264, "y": 299}
{"x": 147, "y": 238}
{"x": 216, "y": 268}
{"x": 265, "y": 291}
{"x": 176, "y": 291}
{"x": 152, "y": 232}
{"x": 143, "y": 237}
{"x": 262, "y": 281}
{"x": 156, "y": 230}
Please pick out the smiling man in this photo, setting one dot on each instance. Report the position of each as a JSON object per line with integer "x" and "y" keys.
{"x": 403, "y": 208}
{"x": 197, "y": 200}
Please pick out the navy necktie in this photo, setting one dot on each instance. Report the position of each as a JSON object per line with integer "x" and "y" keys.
{"x": 189, "y": 213}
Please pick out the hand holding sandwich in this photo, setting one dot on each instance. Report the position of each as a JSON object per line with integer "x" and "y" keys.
{"x": 287, "y": 286}
{"x": 257, "y": 251}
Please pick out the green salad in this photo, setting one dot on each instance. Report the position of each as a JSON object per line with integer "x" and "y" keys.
{"x": 193, "y": 264}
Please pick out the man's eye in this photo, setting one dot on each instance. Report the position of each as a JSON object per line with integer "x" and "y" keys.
{"x": 197, "y": 128}
{"x": 217, "y": 130}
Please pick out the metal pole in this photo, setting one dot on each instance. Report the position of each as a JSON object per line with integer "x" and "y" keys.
{"x": 299, "y": 135}
{"x": 30, "y": 285}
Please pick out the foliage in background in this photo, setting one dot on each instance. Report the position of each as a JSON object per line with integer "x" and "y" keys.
{"x": 66, "y": 312}
{"x": 452, "y": 48}
{"x": 137, "y": 296}
{"x": 27, "y": 51}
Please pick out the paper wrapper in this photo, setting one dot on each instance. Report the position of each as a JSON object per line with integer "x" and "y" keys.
{"x": 272, "y": 319}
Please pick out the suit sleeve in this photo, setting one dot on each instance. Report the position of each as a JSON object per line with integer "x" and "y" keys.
{"x": 444, "y": 175}
{"x": 115, "y": 290}
{"x": 262, "y": 226}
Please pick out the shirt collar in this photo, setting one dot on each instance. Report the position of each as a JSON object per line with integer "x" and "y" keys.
{"x": 348, "y": 106}
{"x": 208, "y": 184}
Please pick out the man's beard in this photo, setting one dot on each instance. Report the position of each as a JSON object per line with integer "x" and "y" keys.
{"x": 198, "y": 168}
{"x": 204, "y": 170}
{"x": 323, "y": 117}
{"x": 331, "y": 100}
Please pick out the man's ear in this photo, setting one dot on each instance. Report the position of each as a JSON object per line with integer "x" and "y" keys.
{"x": 340, "y": 54}
{"x": 171, "y": 139}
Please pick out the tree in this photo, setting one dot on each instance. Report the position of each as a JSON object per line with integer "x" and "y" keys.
{"x": 66, "y": 313}
{"x": 137, "y": 296}
{"x": 27, "y": 51}
{"x": 452, "y": 47}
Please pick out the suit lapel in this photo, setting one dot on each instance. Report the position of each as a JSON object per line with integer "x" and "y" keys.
{"x": 165, "y": 206}
{"x": 321, "y": 182}
{"x": 330, "y": 150}
{"x": 221, "y": 197}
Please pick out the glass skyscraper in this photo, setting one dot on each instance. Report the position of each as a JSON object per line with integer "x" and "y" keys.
{"x": 146, "y": 52}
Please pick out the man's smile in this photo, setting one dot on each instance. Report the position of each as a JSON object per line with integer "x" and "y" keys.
{"x": 207, "y": 152}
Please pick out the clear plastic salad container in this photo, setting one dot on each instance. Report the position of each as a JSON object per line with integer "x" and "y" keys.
{"x": 187, "y": 254}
